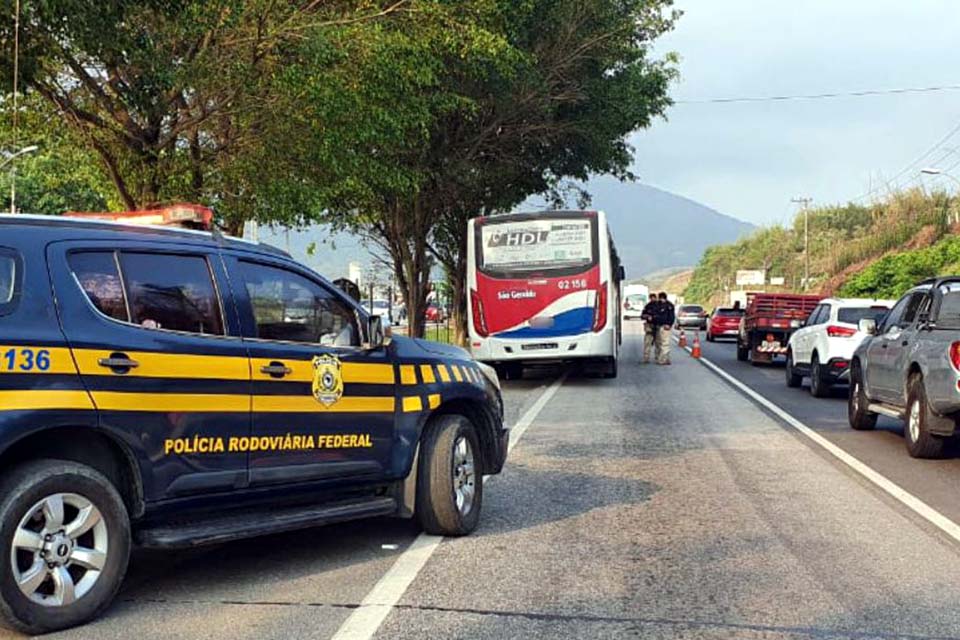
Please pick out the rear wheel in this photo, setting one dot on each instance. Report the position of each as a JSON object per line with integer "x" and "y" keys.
{"x": 793, "y": 378}
{"x": 920, "y": 442}
{"x": 450, "y": 480}
{"x": 743, "y": 353}
{"x": 819, "y": 387}
{"x": 64, "y": 545}
{"x": 610, "y": 368}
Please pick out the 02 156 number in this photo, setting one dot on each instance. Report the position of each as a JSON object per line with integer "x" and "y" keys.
{"x": 571, "y": 284}
{"x": 26, "y": 359}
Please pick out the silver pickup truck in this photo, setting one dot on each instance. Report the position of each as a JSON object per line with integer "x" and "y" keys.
{"x": 908, "y": 368}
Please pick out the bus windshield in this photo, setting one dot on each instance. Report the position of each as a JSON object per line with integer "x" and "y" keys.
{"x": 545, "y": 246}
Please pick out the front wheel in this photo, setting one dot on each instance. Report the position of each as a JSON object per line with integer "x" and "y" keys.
{"x": 857, "y": 403}
{"x": 450, "y": 480}
{"x": 65, "y": 544}
{"x": 792, "y": 377}
{"x": 920, "y": 442}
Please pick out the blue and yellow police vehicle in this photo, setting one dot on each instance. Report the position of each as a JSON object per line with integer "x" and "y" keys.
{"x": 171, "y": 388}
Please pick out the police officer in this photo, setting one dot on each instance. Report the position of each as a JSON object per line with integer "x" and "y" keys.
{"x": 649, "y": 316}
{"x": 665, "y": 318}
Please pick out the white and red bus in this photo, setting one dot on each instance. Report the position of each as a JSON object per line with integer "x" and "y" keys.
{"x": 543, "y": 287}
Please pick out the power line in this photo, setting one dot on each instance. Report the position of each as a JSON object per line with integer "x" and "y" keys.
{"x": 916, "y": 162}
{"x": 822, "y": 96}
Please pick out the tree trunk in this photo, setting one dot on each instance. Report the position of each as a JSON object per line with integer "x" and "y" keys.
{"x": 457, "y": 277}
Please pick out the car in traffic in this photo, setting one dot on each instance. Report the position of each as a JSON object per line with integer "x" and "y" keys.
{"x": 724, "y": 322}
{"x": 691, "y": 315}
{"x": 768, "y": 322}
{"x": 635, "y": 298}
{"x": 380, "y": 308}
{"x": 168, "y": 388}
{"x": 821, "y": 349}
{"x": 908, "y": 367}
{"x": 434, "y": 313}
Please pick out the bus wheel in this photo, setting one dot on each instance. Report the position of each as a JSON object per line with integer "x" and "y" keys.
{"x": 610, "y": 368}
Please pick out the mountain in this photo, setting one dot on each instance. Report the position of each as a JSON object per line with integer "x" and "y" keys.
{"x": 655, "y": 229}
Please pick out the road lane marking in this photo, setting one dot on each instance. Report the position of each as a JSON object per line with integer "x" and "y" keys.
{"x": 367, "y": 618}
{"x": 915, "y": 504}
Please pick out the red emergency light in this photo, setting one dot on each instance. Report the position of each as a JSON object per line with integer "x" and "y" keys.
{"x": 185, "y": 215}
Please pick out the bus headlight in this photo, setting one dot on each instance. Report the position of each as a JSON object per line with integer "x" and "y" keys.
{"x": 490, "y": 373}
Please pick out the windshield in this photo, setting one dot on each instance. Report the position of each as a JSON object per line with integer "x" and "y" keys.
{"x": 636, "y": 300}
{"x": 729, "y": 313}
{"x": 691, "y": 308}
{"x": 853, "y": 315}
{"x": 537, "y": 245}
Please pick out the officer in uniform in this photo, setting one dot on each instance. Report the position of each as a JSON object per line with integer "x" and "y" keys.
{"x": 649, "y": 317}
{"x": 666, "y": 316}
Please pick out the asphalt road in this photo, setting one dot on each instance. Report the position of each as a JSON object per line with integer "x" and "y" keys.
{"x": 662, "y": 504}
{"x": 936, "y": 482}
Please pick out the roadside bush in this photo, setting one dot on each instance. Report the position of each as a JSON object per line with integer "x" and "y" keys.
{"x": 892, "y": 275}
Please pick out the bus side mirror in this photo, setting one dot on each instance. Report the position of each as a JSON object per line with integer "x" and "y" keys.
{"x": 375, "y": 335}
{"x": 868, "y": 326}
{"x": 622, "y": 273}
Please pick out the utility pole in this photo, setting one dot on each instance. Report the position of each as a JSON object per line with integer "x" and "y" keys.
{"x": 804, "y": 202}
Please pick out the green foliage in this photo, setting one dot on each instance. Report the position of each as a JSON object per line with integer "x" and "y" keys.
{"x": 892, "y": 275}
{"x": 840, "y": 237}
{"x": 60, "y": 176}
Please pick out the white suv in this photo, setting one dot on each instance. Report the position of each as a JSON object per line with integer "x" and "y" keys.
{"x": 823, "y": 346}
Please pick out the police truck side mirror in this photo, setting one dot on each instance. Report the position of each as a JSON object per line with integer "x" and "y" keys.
{"x": 622, "y": 275}
{"x": 868, "y": 326}
{"x": 375, "y": 335}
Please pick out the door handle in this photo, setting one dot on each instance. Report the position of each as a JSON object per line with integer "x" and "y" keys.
{"x": 276, "y": 370}
{"x": 118, "y": 362}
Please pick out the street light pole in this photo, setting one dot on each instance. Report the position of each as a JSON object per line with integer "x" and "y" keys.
{"x": 13, "y": 175}
{"x": 803, "y": 202}
{"x": 933, "y": 171}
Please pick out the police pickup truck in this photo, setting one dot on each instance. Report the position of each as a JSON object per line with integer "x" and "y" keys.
{"x": 172, "y": 388}
{"x": 908, "y": 367}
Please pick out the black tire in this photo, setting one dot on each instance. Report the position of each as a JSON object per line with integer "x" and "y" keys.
{"x": 857, "y": 403}
{"x": 20, "y": 490}
{"x": 792, "y": 377}
{"x": 437, "y": 510}
{"x": 610, "y": 368}
{"x": 819, "y": 388}
{"x": 920, "y": 442}
{"x": 709, "y": 337}
{"x": 743, "y": 353}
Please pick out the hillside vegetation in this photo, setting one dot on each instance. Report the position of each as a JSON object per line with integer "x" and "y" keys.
{"x": 855, "y": 250}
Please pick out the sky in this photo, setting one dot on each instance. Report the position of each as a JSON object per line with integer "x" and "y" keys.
{"x": 749, "y": 159}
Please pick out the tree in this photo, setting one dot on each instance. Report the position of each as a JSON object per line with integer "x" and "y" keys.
{"x": 582, "y": 81}
{"x": 511, "y": 98}
{"x": 174, "y": 98}
{"x": 60, "y": 175}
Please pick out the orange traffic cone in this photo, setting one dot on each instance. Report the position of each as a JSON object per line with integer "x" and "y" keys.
{"x": 683, "y": 339}
{"x": 695, "y": 352}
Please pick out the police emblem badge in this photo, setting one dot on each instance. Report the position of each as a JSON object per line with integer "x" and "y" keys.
{"x": 327, "y": 379}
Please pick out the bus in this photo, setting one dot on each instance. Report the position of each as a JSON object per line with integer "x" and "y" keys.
{"x": 543, "y": 287}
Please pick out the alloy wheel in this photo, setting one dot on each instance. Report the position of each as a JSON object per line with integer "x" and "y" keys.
{"x": 59, "y": 549}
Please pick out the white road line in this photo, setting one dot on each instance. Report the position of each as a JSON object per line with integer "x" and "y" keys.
{"x": 906, "y": 498}
{"x": 366, "y": 619}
